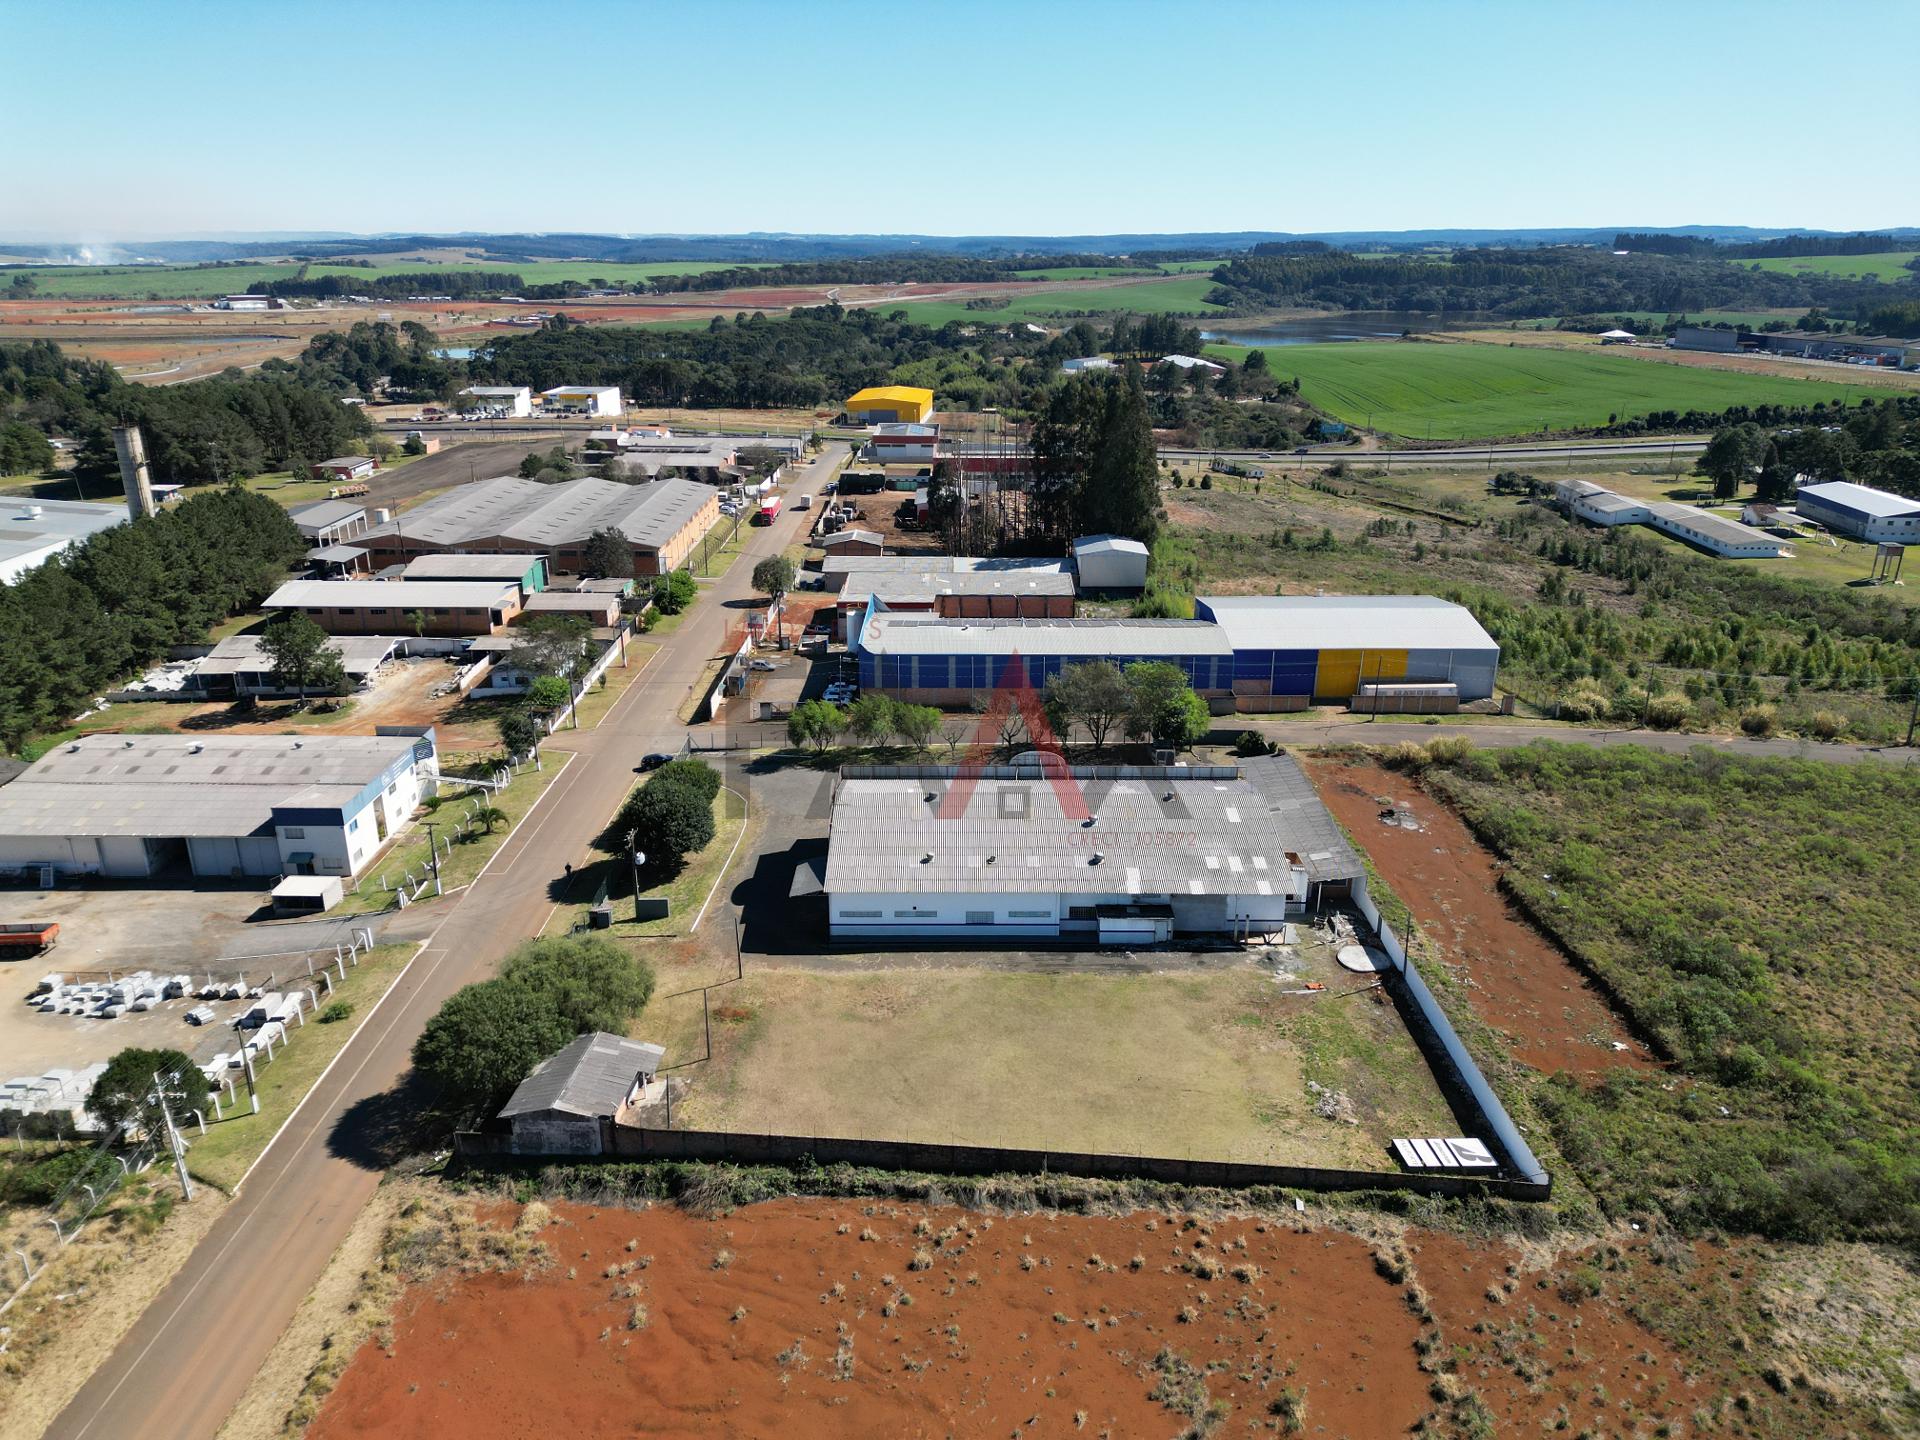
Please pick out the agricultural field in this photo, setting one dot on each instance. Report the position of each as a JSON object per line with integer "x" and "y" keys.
{"x": 1469, "y": 391}
{"x": 203, "y": 282}
{"x": 1889, "y": 266}
{"x": 1183, "y": 296}
{"x": 1101, "y": 272}
{"x": 1743, "y": 911}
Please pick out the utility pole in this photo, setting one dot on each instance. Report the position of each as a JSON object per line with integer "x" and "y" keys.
{"x": 639, "y": 858}
{"x": 174, "y": 1142}
{"x": 433, "y": 853}
{"x": 1913, "y": 715}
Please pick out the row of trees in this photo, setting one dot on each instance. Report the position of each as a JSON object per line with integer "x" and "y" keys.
{"x": 118, "y": 599}
{"x": 870, "y": 720}
{"x": 488, "y": 1037}
{"x": 1875, "y": 445}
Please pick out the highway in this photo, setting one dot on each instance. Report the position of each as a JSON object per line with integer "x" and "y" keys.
{"x": 188, "y": 1359}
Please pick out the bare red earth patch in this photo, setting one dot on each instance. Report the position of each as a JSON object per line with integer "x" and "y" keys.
{"x": 1520, "y": 981}
{"x": 836, "y": 1318}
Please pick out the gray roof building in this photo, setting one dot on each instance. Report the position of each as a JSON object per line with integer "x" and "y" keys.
{"x": 408, "y": 595}
{"x": 542, "y": 517}
{"x": 1312, "y": 832}
{"x": 592, "y": 1076}
{"x": 508, "y": 566}
{"x": 912, "y": 634}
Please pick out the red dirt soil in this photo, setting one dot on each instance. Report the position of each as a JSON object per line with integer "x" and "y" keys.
{"x": 1519, "y": 981}
{"x": 984, "y": 1348}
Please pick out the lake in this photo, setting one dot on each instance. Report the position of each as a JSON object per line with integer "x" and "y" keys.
{"x": 1351, "y": 325}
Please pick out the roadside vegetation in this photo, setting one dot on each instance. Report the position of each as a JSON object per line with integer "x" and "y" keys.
{"x": 1749, "y": 914}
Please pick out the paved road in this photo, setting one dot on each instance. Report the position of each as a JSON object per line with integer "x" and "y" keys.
{"x": 1535, "y": 452}
{"x": 190, "y": 1356}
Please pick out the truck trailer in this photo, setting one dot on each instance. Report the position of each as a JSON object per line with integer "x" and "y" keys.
{"x": 20, "y": 939}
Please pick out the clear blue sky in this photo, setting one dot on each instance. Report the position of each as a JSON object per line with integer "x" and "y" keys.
{"x": 159, "y": 117}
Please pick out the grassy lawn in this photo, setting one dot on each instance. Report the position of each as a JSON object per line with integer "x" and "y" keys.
{"x": 1208, "y": 1064}
{"x": 222, "y": 1155}
{"x": 1751, "y": 914}
{"x": 470, "y": 853}
{"x": 1470, "y": 391}
{"x": 1183, "y": 295}
{"x": 685, "y": 892}
{"x": 1888, "y": 266}
{"x": 280, "y": 487}
{"x": 720, "y": 547}
{"x": 601, "y": 698}
{"x": 241, "y": 624}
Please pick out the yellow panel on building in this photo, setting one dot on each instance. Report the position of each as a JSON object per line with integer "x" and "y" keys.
{"x": 1341, "y": 672}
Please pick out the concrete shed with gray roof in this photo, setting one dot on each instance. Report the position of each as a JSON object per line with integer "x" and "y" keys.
{"x": 569, "y": 1103}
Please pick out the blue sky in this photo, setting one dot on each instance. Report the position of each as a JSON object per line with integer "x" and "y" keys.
{"x": 161, "y": 117}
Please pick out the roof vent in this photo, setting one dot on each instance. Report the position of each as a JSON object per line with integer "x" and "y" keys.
{"x": 126, "y": 744}
{"x": 1168, "y": 796}
{"x": 298, "y": 743}
{"x": 1088, "y": 823}
{"x": 931, "y": 797}
{"x": 927, "y": 859}
{"x": 1098, "y": 856}
{"x": 992, "y": 858}
{"x": 74, "y": 748}
{"x": 195, "y": 748}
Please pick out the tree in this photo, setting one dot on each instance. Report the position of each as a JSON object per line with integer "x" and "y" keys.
{"x": 773, "y": 576}
{"x": 548, "y": 693}
{"x": 590, "y": 983}
{"x": 23, "y": 450}
{"x": 491, "y": 816}
{"x": 815, "y": 723}
{"x": 550, "y": 645}
{"x": 414, "y": 445}
{"x": 669, "y": 823}
{"x": 1731, "y": 458}
{"x": 697, "y": 775}
{"x": 1093, "y": 695}
{"x": 608, "y": 555}
{"x": 125, "y": 1092}
{"x": 519, "y": 734}
{"x": 486, "y": 1039}
{"x": 870, "y": 719}
{"x": 23, "y": 286}
{"x": 555, "y": 465}
{"x": 1165, "y": 708}
{"x": 916, "y": 724}
{"x": 673, "y": 593}
{"x": 303, "y": 655}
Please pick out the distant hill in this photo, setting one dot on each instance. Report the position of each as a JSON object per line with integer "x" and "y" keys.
{"x": 779, "y": 246}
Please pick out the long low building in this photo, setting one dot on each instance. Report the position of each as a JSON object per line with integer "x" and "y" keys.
{"x": 929, "y": 660}
{"x": 662, "y": 520}
{"x": 1860, "y": 511}
{"x": 240, "y": 666}
{"x": 1293, "y": 650}
{"x": 145, "y": 806}
{"x": 1111, "y": 855}
{"x": 978, "y": 589}
{"x": 423, "y": 607}
{"x": 1715, "y": 534}
{"x": 1598, "y": 505}
{"x": 529, "y": 572}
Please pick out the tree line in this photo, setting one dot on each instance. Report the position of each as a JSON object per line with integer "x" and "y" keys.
{"x": 119, "y": 598}
{"x": 457, "y": 283}
{"x": 1784, "y": 245}
{"x": 228, "y": 427}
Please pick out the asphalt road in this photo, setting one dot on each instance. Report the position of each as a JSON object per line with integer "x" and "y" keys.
{"x": 1453, "y": 454}
{"x": 189, "y": 1358}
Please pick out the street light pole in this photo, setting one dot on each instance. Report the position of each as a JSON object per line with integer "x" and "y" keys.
{"x": 639, "y": 858}
{"x": 433, "y": 853}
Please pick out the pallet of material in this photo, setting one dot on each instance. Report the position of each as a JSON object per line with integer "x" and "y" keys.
{"x": 1454, "y": 1153}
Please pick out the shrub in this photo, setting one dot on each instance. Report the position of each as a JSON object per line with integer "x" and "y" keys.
{"x": 339, "y": 1010}
{"x": 1826, "y": 725}
{"x": 1669, "y": 711}
{"x": 1252, "y": 742}
{"x": 1585, "y": 704}
{"x": 699, "y": 776}
{"x": 1757, "y": 720}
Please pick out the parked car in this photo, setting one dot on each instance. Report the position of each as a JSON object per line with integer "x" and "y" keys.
{"x": 651, "y": 761}
{"x": 805, "y": 502}
{"x": 761, "y": 665}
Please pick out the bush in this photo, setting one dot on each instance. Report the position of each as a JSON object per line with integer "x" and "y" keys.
{"x": 339, "y": 1010}
{"x": 668, "y": 822}
{"x": 1252, "y": 742}
{"x": 1826, "y": 725}
{"x": 697, "y": 775}
{"x": 1757, "y": 720}
{"x": 1585, "y": 704}
{"x": 1669, "y": 711}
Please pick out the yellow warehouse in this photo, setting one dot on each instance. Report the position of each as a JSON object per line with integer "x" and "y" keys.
{"x": 890, "y": 404}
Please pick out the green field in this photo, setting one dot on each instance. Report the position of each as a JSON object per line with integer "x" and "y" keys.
{"x": 1470, "y": 392}
{"x": 1183, "y": 296}
{"x": 1102, "y": 272}
{"x": 1888, "y": 266}
{"x": 196, "y": 282}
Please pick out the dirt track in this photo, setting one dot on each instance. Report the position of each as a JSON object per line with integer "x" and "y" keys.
{"x": 1519, "y": 981}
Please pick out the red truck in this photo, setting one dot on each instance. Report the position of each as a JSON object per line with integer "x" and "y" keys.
{"x": 22, "y": 938}
{"x": 768, "y": 512}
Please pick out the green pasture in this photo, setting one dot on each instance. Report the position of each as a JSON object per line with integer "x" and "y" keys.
{"x": 204, "y": 282}
{"x": 538, "y": 272}
{"x": 1175, "y": 296}
{"x": 1888, "y": 266}
{"x": 1470, "y": 392}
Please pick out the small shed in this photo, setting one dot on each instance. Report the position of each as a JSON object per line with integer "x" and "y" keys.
{"x": 307, "y": 894}
{"x": 573, "y": 1098}
{"x": 346, "y": 467}
{"x": 1110, "y": 562}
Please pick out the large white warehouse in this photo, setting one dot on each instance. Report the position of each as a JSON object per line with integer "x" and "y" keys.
{"x": 140, "y": 806}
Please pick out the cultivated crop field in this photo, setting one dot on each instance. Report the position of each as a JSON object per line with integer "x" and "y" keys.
{"x": 1185, "y": 295}
{"x": 1889, "y": 266}
{"x": 1471, "y": 392}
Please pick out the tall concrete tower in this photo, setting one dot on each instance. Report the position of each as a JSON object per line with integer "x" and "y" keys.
{"x": 133, "y": 469}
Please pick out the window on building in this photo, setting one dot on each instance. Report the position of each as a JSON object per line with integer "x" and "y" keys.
{"x": 979, "y": 917}
{"x": 293, "y": 832}
{"x": 1029, "y": 914}
{"x": 859, "y": 914}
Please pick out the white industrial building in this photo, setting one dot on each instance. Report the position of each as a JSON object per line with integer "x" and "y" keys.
{"x": 1861, "y": 511}
{"x": 144, "y": 806}
{"x": 33, "y": 532}
{"x": 516, "y": 400}
{"x": 592, "y": 399}
{"x": 1715, "y": 534}
{"x": 1110, "y": 562}
{"x": 1085, "y": 364}
{"x": 1598, "y": 505}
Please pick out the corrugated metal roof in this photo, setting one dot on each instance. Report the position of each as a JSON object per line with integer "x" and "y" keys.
{"x": 247, "y": 654}
{"x": 401, "y": 595}
{"x": 571, "y": 601}
{"x": 929, "y": 635}
{"x": 1609, "y": 502}
{"x": 852, "y": 564}
{"x": 890, "y": 392}
{"x": 1153, "y": 832}
{"x": 590, "y": 1076}
{"x": 905, "y": 587}
{"x": 1862, "y": 498}
{"x": 1312, "y": 832}
{"x": 524, "y": 512}
{"x": 1730, "y": 532}
{"x": 1107, "y": 545}
{"x": 165, "y": 786}
{"x": 470, "y": 567}
{"x": 1346, "y": 622}
{"x": 322, "y": 513}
